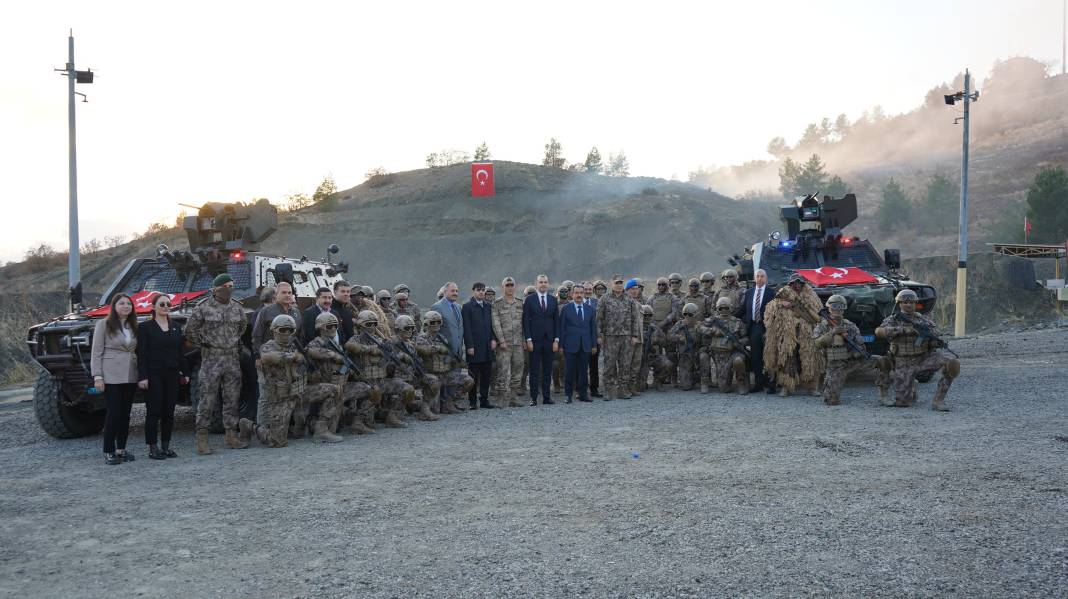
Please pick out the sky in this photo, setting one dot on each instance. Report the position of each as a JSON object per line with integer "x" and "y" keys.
{"x": 229, "y": 101}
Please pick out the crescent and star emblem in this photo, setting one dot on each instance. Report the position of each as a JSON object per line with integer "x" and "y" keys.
{"x": 838, "y": 275}
{"x": 482, "y": 175}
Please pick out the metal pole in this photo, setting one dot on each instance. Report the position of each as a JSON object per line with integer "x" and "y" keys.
{"x": 74, "y": 262}
{"x": 962, "y": 239}
{"x": 1064, "y": 33}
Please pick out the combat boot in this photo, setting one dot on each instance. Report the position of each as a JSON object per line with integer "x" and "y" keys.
{"x": 297, "y": 429}
{"x": 202, "y": 443}
{"x": 784, "y": 392}
{"x": 704, "y": 388}
{"x": 425, "y": 413}
{"x": 624, "y": 392}
{"x": 743, "y": 389}
{"x": 245, "y": 428}
{"x": 232, "y": 441}
{"x": 359, "y": 427}
{"x": 394, "y": 420}
{"x": 323, "y": 434}
{"x": 884, "y": 398}
{"x": 448, "y": 408}
{"x": 938, "y": 403}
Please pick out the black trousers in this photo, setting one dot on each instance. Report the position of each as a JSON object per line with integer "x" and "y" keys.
{"x": 541, "y": 369}
{"x": 160, "y": 399}
{"x": 595, "y": 375}
{"x": 756, "y": 360}
{"x": 119, "y": 401}
{"x": 576, "y": 367}
{"x": 481, "y": 372}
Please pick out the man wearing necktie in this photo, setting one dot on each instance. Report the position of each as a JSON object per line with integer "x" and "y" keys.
{"x": 595, "y": 372}
{"x": 539, "y": 330}
{"x": 452, "y": 328}
{"x": 577, "y": 331}
{"x": 480, "y": 343}
{"x": 751, "y": 311}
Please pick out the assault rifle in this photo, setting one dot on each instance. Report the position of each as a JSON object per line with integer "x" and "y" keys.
{"x": 347, "y": 362}
{"x": 416, "y": 362}
{"x": 718, "y": 324}
{"x": 924, "y": 333}
{"x": 389, "y": 356}
{"x": 826, "y": 315}
{"x": 304, "y": 352}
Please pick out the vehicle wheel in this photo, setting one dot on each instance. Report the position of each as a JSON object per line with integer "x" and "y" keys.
{"x": 194, "y": 400}
{"x": 925, "y": 377}
{"x": 58, "y": 420}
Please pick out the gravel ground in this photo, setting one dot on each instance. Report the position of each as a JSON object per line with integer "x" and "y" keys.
{"x": 670, "y": 495}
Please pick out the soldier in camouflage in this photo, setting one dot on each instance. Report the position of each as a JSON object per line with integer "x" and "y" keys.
{"x": 729, "y": 354}
{"x": 216, "y": 325}
{"x": 563, "y": 294}
{"x": 507, "y": 314}
{"x": 403, "y": 305}
{"x": 652, "y": 358}
{"x": 385, "y": 301}
{"x": 664, "y": 307}
{"x": 635, "y": 385}
{"x": 695, "y": 297}
{"x": 730, "y": 288}
{"x": 599, "y": 289}
{"x": 619, "y": 328}
{"x": 675, "y": 285}
{"x": 843, "y": 360}
{"x": 441, "y": 362}
{"x": 365, "y": 351}
{"x": 326, "y": 378}
{"x": 686, "y": 337}
{"x": 411, "y": 371}
{"x": 708, "y": 289}
{"x": 916, "y": 347}
{"x": 284, "y": 374}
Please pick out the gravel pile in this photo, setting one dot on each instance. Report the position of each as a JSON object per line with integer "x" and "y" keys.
{"x": 668, "y": 495}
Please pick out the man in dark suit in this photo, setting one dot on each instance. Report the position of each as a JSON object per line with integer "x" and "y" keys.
{"x": 595, "y": 372}
{"x": 480, "y": 342}
{"x": 577, "y": 331}
{"x": 323, "y": 300}
{"x": 539, "y": 330}
{"x": 342, "y": 307}
{"x": 751, "y": 312}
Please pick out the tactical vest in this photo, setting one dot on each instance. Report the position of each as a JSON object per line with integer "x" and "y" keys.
{"x": 326, "y": 371}
{"x": 837, "y": 353}
{"x": 284, "y": 379}
{"x": 373, "y": 367}
{"x": 662, "y": 304}
{"x": 438, "y": 362}
{"x": 904, "y": 346}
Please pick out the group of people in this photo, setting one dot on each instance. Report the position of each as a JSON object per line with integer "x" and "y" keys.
{"x": 357, "y": 358}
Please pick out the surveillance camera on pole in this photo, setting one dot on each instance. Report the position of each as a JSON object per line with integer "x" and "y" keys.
{"x": 74, "y": 261}
{"x": 967, "y": 96}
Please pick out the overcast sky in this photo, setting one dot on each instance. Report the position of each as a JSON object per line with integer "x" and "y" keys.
{"x": 225, "y": 101}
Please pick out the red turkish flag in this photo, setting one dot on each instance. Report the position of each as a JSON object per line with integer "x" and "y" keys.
{"x": 482, "y": 179}
{"x": 142, "y": 301}
{"x": 833, "y": 275}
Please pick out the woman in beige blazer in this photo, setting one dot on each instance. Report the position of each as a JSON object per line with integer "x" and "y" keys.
{"x": 114, "y": 368}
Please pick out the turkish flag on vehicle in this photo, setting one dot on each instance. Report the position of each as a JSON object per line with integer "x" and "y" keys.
{"x": 142, "y": 301}
{"x": 833, "y": 275}
{"x": 482, "y": 179}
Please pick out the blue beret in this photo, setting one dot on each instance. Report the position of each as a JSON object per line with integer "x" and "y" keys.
{"x": 631, "y": 283}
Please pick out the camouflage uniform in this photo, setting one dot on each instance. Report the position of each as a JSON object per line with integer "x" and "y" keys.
{"x": 649, "y": 355}
{"x": 411, "y": 308}
{"x": 686, "y": 337}
{"x": 664, "y": 306}
{"x": 508, "y": 328}
{"x": 411, "y": 370}
{"x": 326, "y": 381}
{"x": 453, "y": 379}
{"x": 618, "y": 320}
{"x": 730, "y": 289}
{"x": 563, "y": 294}
{"x": 394, "y": 393}
{"x": 911, "y": 355}
{"x": 284, "y": 380}
{"x": 842, "y": 361}
{"x": 729, "y": 356}
{"x": 217, "y": 328}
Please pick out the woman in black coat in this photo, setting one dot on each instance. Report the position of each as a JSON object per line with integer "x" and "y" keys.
{"x": 162, "y": 367}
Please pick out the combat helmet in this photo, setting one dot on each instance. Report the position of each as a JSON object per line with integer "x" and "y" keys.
{"x": 366, "y": 317}
{"x": 368, "y": 291}
{"x": 724, "y": 302}
{"x": 600, "y": 283}
{"x": 693, "y": 282}
{"x": 689, "y": 309}
{"x": 906, "y": 295}
{"x": 707, "y": 277}
{"x": 661, "y": 281}
{"x": 729, "y": 273}
{"x": 568, "y": 283}
{"x": 528, "y": 290}
{"x": 405, "y": 323}
{"x": 401, "y": 288}
{"x": 647, "y": 310}
{"x": 837, "y": 302}
{"x": 324, "y": 320}
{"x": 283, "y": 321}
{"x": 675, "y": 277}
{"x": 432, "y": 318}
{"x": 383, "y": 294}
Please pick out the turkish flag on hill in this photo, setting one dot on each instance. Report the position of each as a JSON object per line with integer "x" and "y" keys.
{"x": 482, "y": 179}
{"x": 833, "y": 275}
{"x": 142, "y": 301}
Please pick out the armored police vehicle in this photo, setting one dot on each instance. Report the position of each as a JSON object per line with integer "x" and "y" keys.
{"x": 222, "y": 238}
{"x": 815, "y": 246}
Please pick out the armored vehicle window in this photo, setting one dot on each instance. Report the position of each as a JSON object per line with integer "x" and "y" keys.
{"x": 152, "y": 276}
{"x": 269, "y": 279}
{"x": 240, "y": 271}
{"x": 861, "y": 255}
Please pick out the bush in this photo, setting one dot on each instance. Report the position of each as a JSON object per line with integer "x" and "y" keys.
{"x": 650, "y": 191}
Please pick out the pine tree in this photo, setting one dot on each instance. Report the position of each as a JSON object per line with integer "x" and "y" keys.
{"x": 618, "y": 166}
{"x": 812, "y": 178}
{"x": 482, "y": 153}
{"x": 941, "y": 202}
{"x": 593, "y": 162}
{"x": 1047, "y": 205}
{"x": 326, "y": 189}
{"x": 554, "y": 154}
{"x": 777, "y": 147}
{"x": 788, "y": 172}
{"x": 895, "y": 209}
{"x": 836, "y": 187}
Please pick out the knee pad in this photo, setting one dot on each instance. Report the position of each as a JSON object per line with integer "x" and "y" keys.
{"x": 952, "y": 368}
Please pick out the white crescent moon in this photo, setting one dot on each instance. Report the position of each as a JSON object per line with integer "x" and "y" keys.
{"x": 480, "y": 172}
